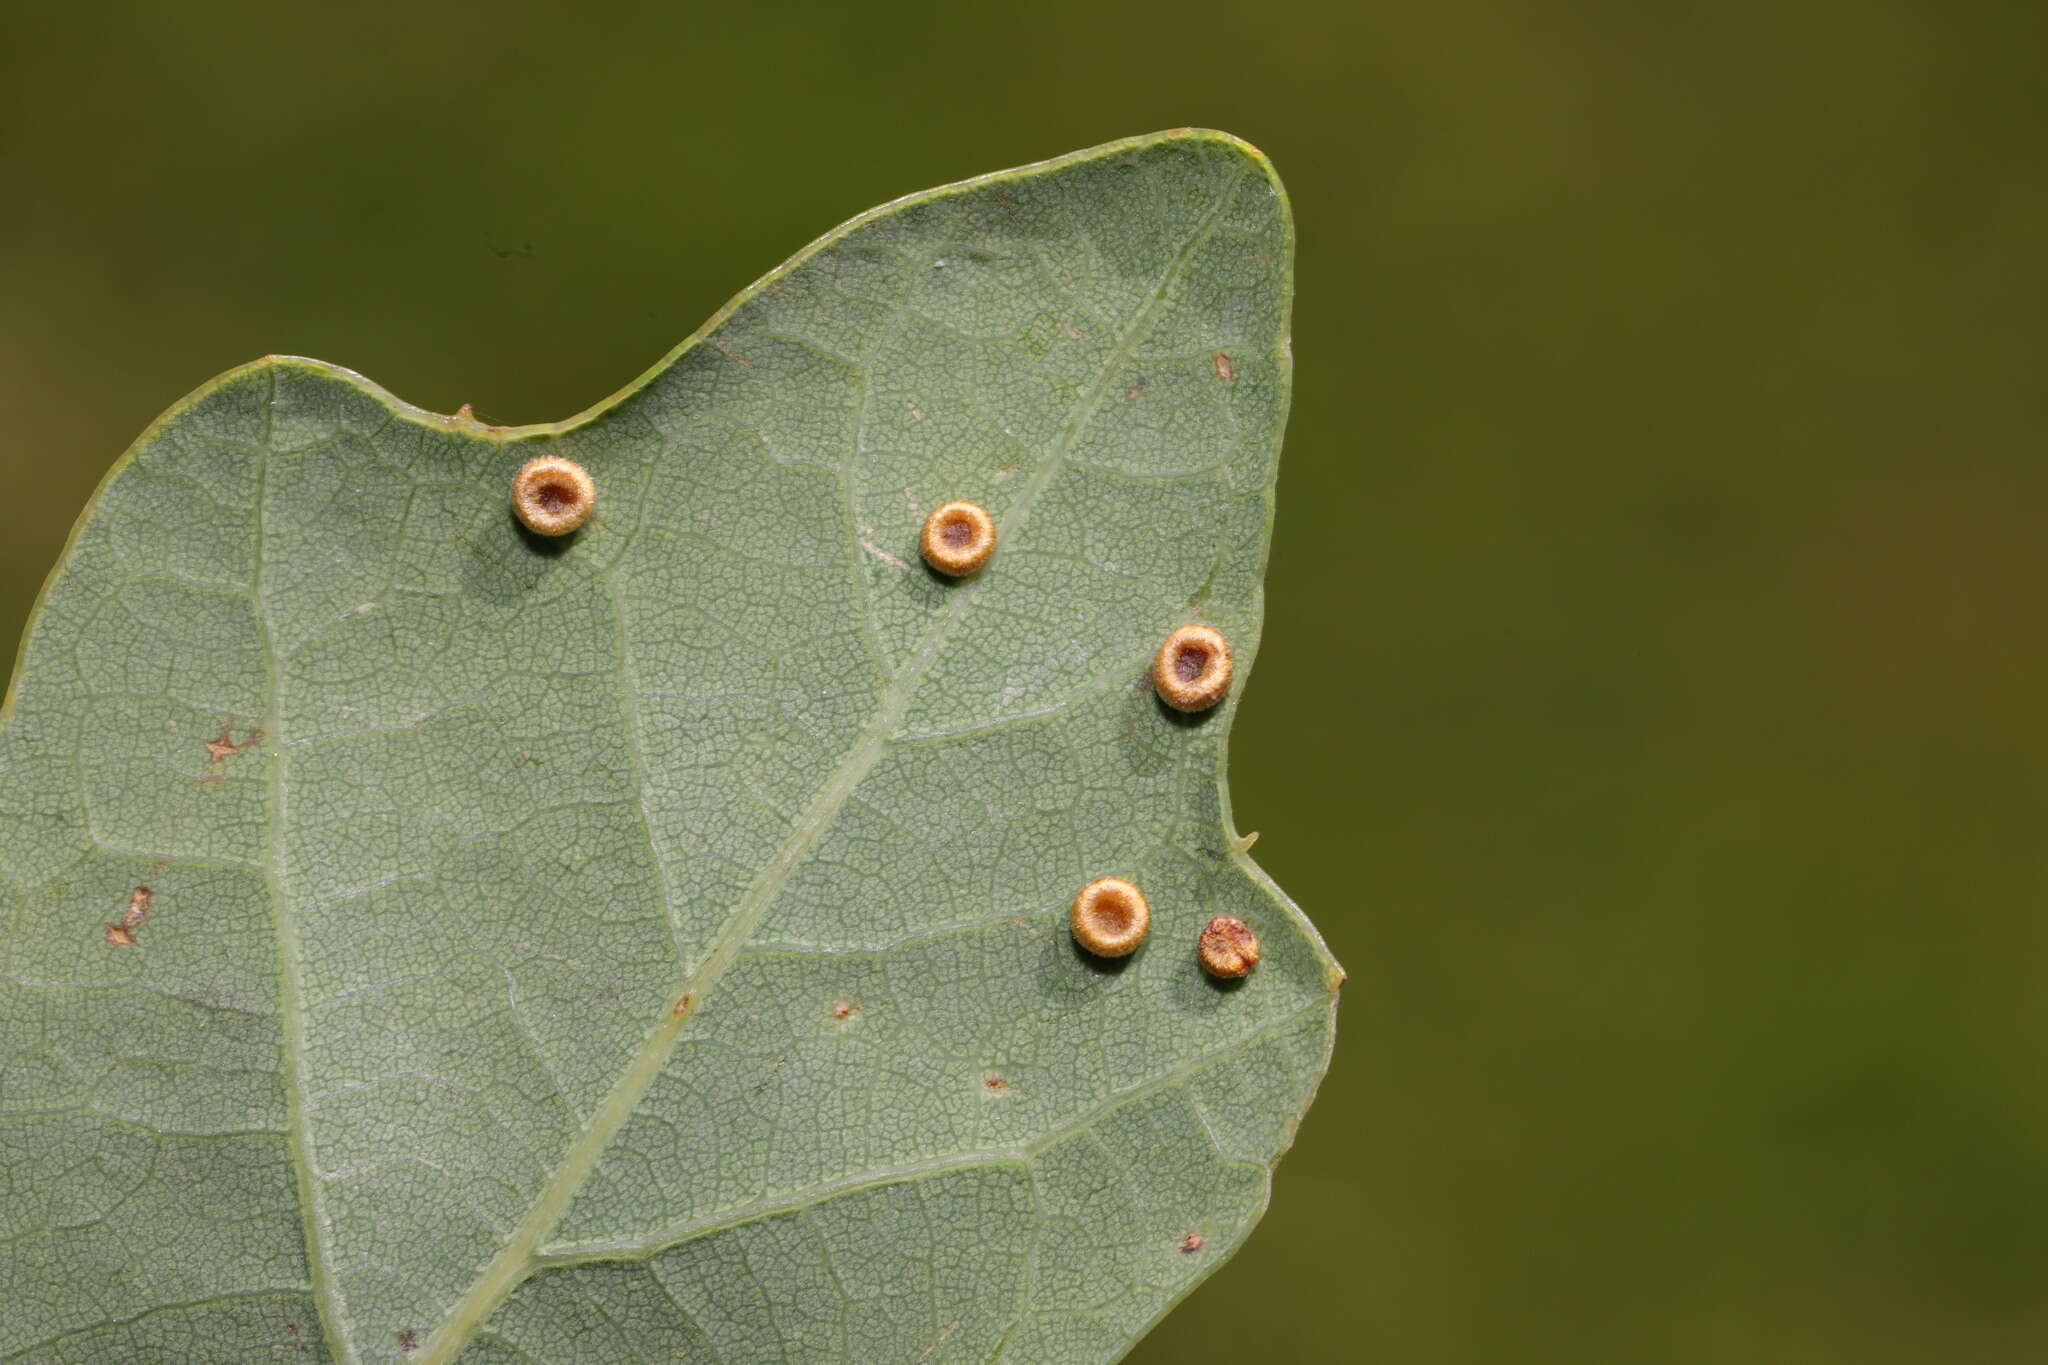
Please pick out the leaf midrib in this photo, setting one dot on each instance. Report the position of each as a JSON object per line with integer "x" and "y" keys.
{"x": 290, "y": 990}
{"x": 518, "y": 1257}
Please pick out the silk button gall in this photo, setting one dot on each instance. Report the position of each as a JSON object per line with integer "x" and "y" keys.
{"x": 1228, "y": 947}
{"x": 1111, "y": 917}
{"x": 1191, "y": 672}
{"x": 553, "y": 496}
{"x": 958, "y": 538}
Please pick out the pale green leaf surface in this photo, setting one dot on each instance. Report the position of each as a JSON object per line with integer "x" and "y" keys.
{"x": 489, "y": 1000}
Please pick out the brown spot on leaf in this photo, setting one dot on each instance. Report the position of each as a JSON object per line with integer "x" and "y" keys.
{"x": 682, "y": 1004}
{"x": 408, "y": 1340}
{"x": 1191, "y": 672}
{"x": 1191, "y": 1243}
{"x": 1227, "y": 947}
{"x": 844, "y": 1009}
{"x": 958, "y": 538}
{"x": 1225, "y": 371}
{"x": 994, "y": 1083}
{"x": 1134, "y": 390}
{"x": 1110, "y": 917}
{"x": 222, "y": 746}
{"x": 122, "y": 934}
{"x": 553, "y": 496}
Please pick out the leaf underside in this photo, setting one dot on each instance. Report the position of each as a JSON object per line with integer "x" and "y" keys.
{"x": 652, "y": 944}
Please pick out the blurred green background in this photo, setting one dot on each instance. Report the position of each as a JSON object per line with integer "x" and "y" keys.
{"x": 1650, "y": 712}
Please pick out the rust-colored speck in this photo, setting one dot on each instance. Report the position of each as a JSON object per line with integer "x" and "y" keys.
{"x": 1191, "y": 1243}
{"x": 1225, "y": 371}
{"x": 995, "y": 1084}
{"x": 408, "y": 1340}
{"x": 682, "y": 1005}
{"x": 122, "y": 934}
{"x": 843, "y": 1009}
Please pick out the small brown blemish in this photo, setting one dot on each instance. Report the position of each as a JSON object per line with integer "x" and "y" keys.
{"x": 958, "y": 538}
{"x": 682, "y": 1005}
{"x": 408, "y": 1340}
{"x": 553, "y": 496}
{"x": 1191, "y": 1243}
{"x": 221, "y": 748}
{"x": 1225, "y": 371}
{"x": 1110, "y": 917}
{"x": 122, "y": 933}
{"x": 1228, "y": 947}
{"x": 1133, "y": 391}
{"x": 1191, "y": 672}
{"x": 995, "y": 1085}
{"x": 844, "y": 1009}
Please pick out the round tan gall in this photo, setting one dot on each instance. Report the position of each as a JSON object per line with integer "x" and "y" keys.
{"x": 1191, "y": 672}
{"x": 958, "y": 538}
{"x": 553, "y": 496}
{"x": 1111, "y": 917}
{"x": 1228, "y": 947}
